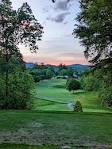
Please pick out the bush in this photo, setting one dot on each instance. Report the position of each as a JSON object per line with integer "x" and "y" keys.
{"x": 72, "y": 85}
{"x": 78, "y": 107}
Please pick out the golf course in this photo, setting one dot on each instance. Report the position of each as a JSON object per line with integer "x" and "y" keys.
{"x": 55, "y": 74}
{"x": 51, "y": 122}
{"x": 51, "y": 95}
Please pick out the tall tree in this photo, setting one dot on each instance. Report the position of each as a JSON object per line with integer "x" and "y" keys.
{"x": 94, "y": 29}
{"x": 17, "y": 27}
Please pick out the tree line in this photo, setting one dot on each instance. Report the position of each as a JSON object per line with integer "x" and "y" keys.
{"x": 16, "y": 27}
{"x": 94, "y": 29}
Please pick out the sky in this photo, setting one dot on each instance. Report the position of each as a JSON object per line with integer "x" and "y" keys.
{"x": 58, "y": 46}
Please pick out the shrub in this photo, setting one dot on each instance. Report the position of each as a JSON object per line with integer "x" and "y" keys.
{"x": 78, "y": 107}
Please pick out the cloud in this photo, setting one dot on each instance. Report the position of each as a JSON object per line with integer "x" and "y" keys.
{"x": 63, "y": 5}
{"x": 45, "y": 10}
{"x": 61, "y": 9}
{"x": 72, "y": 54}
{"x": 60, "y": 5}
{"x": 72, "y": 58}
{"x": 66, "y": 22}
{"x": 39, "y": 59}
{"x": 59, "y": 18}
{"x": 55, "y": 58}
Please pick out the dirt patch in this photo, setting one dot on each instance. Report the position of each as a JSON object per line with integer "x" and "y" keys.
{"x": 35, "y": 136}
{"x": 35, "y": 125}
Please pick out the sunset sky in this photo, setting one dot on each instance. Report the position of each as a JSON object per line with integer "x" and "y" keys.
{"x": 57, "y": 45}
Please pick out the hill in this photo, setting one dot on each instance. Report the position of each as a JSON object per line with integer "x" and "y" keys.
{"x": 79, "y": 67}
{"x": 29, "y": 65}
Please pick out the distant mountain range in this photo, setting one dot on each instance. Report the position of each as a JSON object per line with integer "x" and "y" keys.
{"x": 29, "y": 65}
{"x": 78, "y": 67}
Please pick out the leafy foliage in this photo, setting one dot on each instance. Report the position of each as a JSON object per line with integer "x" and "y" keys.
{"x": 41, "y": 72}
{"x": 49, "y": 74}
{"x": 90, "y": 81}
{"x": 105, "y": 93}
{"x": 19, "y": 92}
{"x": 106, "y": 96}
{"x": 66, "y": 72}
{"x": 78, "y": 107}
{"x": 16, "y": 27}
{"x": 95, "y": 28}
{"x": 72, "y": 85}
{"x": 99, "y": 79}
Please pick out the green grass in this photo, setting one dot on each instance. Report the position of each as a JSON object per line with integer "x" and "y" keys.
{"x": 57, "y": 97}
{"x": 17, "y": 146}
{"x": 51, "y": 125}
{"x": 56, "y": 128}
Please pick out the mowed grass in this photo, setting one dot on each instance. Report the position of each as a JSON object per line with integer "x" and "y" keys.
{"x": 52, "y": 125}
{"x": 56, "y": 128}
{"x": 17, "y": 146}
{"x": 57, "y": 97}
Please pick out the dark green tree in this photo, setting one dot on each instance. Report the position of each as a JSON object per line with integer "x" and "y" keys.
{"x": 72, "y": 85}
{"x": 49, "y": 74}
{"x": 61, "y": 67}
{"x": 66, "y": 72}
{"x": 16, "y": 27}
{"x": 94, "y": 29}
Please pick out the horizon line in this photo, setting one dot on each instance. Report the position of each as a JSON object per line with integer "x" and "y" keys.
{"x": 56, "y": 64}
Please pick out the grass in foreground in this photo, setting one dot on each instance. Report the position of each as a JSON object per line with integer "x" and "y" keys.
{"x": 17, "y": 146}
{"x": 56, "y": 128}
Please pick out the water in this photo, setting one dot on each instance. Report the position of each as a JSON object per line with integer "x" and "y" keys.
{"x": 70, "y": 105}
